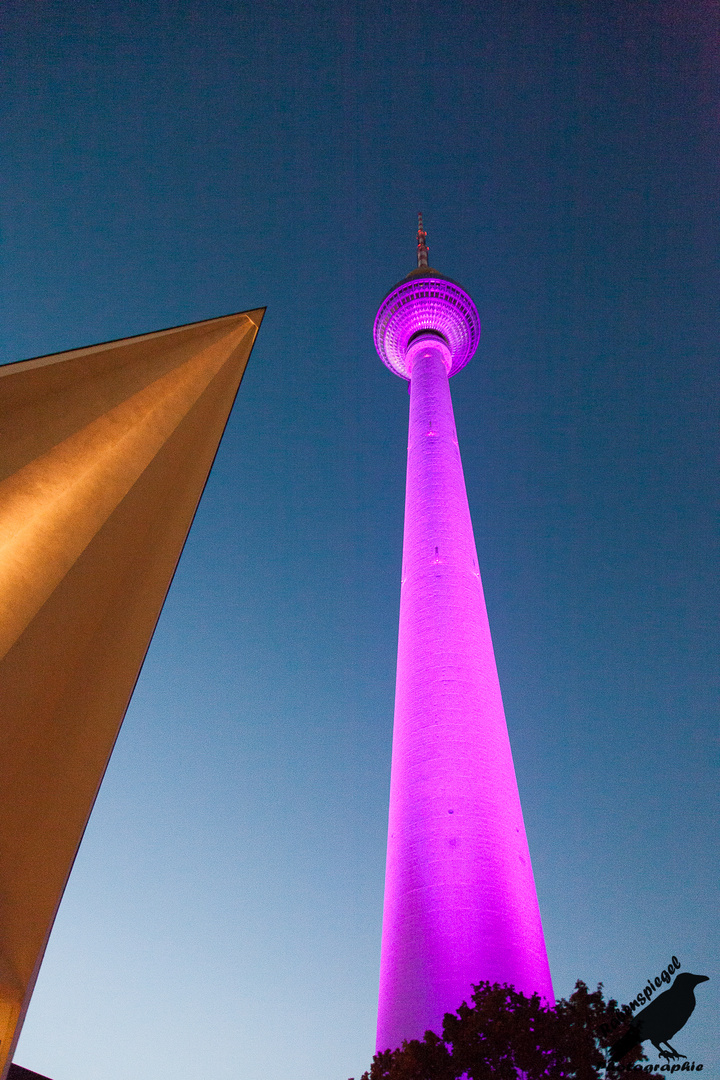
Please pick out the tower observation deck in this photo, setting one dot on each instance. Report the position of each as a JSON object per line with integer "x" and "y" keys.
{"x": 460, "y": 902}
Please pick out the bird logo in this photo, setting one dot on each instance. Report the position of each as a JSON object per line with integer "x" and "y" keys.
{"x": 662, "y": 1019}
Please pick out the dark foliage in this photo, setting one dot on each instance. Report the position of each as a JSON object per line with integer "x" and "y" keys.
{"x": 504, "y": 1035}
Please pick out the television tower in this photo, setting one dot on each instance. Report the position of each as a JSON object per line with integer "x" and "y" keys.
{"x": 460, "y": 901}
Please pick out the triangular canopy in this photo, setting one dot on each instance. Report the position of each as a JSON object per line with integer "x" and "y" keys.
{"x": 104, "y": 453}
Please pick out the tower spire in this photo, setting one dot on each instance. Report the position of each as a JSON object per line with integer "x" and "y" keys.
{"x": 460, "y": 903}
{"x": 422, "y": 246}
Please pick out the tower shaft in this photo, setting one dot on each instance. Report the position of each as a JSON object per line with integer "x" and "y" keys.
{"x": 460, "y": 901}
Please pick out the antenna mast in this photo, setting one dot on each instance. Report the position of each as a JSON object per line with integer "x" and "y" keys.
{"x": 422, "y": 246}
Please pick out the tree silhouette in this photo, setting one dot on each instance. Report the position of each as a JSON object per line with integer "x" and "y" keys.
{"x": 504, "y": 1035}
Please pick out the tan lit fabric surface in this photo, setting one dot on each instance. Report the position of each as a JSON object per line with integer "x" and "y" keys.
{"x": 104, "y": 453}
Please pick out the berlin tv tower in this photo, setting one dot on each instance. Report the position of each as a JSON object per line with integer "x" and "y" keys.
{"x": 460, "y": 901}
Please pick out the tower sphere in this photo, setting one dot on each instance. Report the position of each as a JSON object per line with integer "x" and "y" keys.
{"x": 426, "y": 301}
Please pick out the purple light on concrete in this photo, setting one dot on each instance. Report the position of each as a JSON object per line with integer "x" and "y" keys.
{"x": 460, "y": 900}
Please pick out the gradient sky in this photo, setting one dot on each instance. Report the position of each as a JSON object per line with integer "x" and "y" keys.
{"x": 176, "y": 161}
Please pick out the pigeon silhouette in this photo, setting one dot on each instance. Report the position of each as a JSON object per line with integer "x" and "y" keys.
{"x": 661, "y": 1019}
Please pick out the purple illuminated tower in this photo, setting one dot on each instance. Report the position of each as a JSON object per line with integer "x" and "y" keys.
{"x": 460, "y": 901}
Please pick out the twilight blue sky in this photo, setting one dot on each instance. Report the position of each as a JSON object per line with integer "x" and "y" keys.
{"x": 175, "y": 161}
